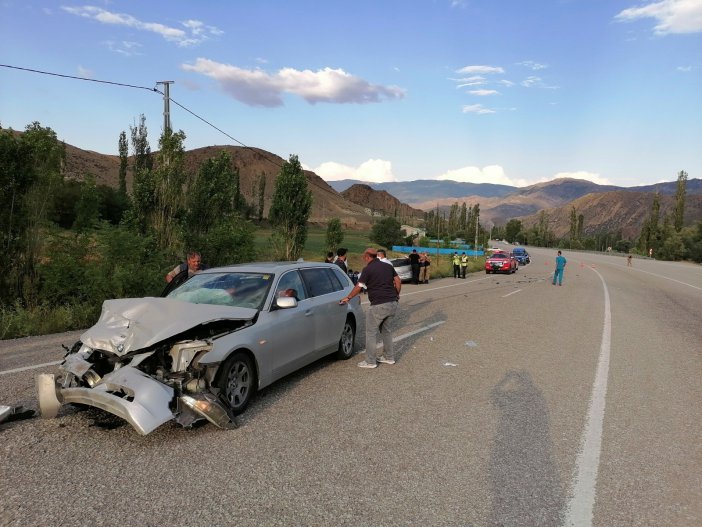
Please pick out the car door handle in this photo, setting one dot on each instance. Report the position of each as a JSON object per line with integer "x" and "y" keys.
{"x": 309, "y": 313}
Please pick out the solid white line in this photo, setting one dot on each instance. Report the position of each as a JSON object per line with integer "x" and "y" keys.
{"x": 425, "y": 290}
{"x": 408, "y": 335}
{"x": 665, "y": 277}
{"x": 508, "y": 294}
{"x": 583, "y": 487}
{"x": 16, "y": 370}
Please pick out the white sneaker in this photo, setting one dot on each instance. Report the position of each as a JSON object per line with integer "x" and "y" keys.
{"x": 364, "y": 364}
{"x": 386, "y": 361}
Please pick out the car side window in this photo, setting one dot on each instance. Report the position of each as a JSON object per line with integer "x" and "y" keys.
{"x": 339, "y": 279}
{"x": 290, "y": 284}
{"x": 319, "y": 281}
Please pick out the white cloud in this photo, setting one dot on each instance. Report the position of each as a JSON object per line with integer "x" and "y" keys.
{"x": 590, "y": 176}
{"x": 684, "y": 69}
{"x": 476, "y": 108}
{"x": 475, "y": 80}
{"x": 489, "y": 174}
{"x": 672, "y": 16}
{"x": 372, "y": 171}
{"x": 196, "y": 32}
{"x": 532, "y": 65}
{"x": 259, "y": 88}
{"x": 505, "y": 82}
{"x": 483, "y": 93}
{"x": 480, "y": 70}
{"x": 125, "y": 47}
{"x": 536, "y": 82}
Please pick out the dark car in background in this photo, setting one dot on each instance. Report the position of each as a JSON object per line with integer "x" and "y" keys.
{"x": 521, "y": 254}
{"x": 501, "y": 262}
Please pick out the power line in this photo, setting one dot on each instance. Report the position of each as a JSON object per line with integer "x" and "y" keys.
{"x": 155, "y": 90}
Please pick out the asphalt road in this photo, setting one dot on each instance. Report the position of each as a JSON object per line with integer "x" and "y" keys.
{"x": 526, "y": 404}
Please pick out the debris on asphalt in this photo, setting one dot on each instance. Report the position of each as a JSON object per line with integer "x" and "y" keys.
{"x": 450, "y": 364}
{"x": 15, "y": 413}
{"x": 471, "y": 344}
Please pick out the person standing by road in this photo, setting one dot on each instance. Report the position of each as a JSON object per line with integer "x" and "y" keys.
{"x": 464, "y": 264}
{"x": 414, "y": 265}
{"x": 628, "y": 261}
{"x": 383, "y": 286}
{"x": 560, "y": 267}
{"x": 341, "y": 259}
{"x": 424, "y": 264}
{"x": 383, "y": 257}
{"x": 456, "y": 260}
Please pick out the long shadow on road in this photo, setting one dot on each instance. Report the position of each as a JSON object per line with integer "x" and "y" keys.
{"x": 526, "y": 489}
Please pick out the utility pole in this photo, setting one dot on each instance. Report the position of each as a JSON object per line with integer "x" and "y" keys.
{"x": 166, "y": 104}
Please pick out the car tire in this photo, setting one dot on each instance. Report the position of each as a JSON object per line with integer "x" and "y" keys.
{"x": 347, "y": 342}
{"x": 487, "y": 272}
{"x": 238, "y": 382}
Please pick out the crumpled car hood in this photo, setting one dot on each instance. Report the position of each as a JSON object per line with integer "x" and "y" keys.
{"x": 130, "y": 324}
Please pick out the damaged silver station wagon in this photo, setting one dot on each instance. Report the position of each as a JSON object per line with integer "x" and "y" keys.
{"x": 203, "y": 350}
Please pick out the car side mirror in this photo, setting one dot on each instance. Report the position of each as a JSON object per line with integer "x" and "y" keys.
{"x": 285, "y": 302}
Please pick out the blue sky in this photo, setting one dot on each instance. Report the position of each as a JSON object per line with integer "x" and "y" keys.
{"x": 500, "y": 91}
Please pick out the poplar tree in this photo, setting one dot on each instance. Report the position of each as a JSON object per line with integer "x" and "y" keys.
{"x": 290, "y": 209}
{"x": 123, "y": 155}
{"x": 680, "y": 201}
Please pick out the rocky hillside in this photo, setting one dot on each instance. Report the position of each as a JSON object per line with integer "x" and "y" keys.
{"x": 380, "y": 202}
{"x": 612, "y": 211}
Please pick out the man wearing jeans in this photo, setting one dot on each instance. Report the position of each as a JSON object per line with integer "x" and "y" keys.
{"x": 383, "y": 286}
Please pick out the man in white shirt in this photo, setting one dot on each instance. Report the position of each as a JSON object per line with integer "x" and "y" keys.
{"x": 383, "y": 257}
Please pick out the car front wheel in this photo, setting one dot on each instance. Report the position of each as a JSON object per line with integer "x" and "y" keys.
{"x": 238, "y": 382}
{"x": 347, "y": 341}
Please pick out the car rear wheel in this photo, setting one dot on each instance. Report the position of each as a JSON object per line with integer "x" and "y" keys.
{"x": 347, "y": 341}
{"x": 238, "y": 382}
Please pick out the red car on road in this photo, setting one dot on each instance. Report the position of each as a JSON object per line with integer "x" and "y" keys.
{"x": 501, "y": 262}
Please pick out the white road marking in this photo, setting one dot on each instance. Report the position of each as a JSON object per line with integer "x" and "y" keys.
{"x": 408, "y": 335}
{"x": 508, "y": 294}
{"x": 584, "y": 485}
{"x": 46, "y": 364}
{"x": 665, "y": 277}
{"x": 427, "y": 289}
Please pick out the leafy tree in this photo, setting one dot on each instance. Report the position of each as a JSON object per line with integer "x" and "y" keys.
{"x": 123, "y": 148}
{"x": 171, "y": 181}
{"x": 16, "y": 178}
{"x": 335, "y": 234}
{"x": 680, "y": 200}
{"x": 47, "y": 160}
{"x": 88, "y": 206}
{"x": 140, "y": 146}
{"x": 212, "y": 196}
{"x": 386, "y": 232}
{"x": 463, "y": 217}
{"x": 512, "y": 229}
{"x": 573, "y": 224}
{"x": 290, "y": 210}
{"x": 650, "y": 232}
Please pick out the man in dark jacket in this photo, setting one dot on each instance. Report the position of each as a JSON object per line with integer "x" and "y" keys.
{"x": 341, "y": 259}
{"x": 383, "y": 287}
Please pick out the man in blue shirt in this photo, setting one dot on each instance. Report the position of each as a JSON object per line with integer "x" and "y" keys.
{"x": 560, "y": 266}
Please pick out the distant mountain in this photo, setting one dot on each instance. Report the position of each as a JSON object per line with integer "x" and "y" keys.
{"x": 424, "y": 190}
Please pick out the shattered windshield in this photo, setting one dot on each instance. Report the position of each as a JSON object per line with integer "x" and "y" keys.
{"x": 225, "y": 289}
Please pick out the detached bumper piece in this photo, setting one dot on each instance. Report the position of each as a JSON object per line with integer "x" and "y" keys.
{"x": 137, "y": 398}
{"x": 15, "y": 413}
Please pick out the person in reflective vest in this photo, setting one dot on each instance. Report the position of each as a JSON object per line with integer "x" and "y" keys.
{"x": 464, "y": 264}
{"x": 456, "y": 265}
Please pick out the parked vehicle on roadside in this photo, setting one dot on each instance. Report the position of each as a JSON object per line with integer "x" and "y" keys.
{"x": 521, "y": 254}
{"x": 204, "y": 350}
{"x": 403, "y": 268}
{"x": 501, "y": 262}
